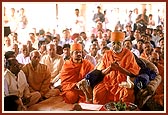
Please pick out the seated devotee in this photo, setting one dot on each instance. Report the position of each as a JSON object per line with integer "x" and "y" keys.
{"x": 66, "y": 51}
{"x": 38, "y": 76}
{"x": 99, "y": 35}
{"x": 14, "y": 38}
{"x": 86, "y": 40}
{"x": 147, "y": 50}
{"x": 15, "y": 83}
{"x": 128, "y": 44}
{"x": 89, "y": 57}
{"x": 94, "y": 52}
{"x": 7, "y": 44}
{"x": 43, "y": 50}
{"x": 159, "y": 95}
{"x": 121, "y": 67}
{"x": 15, "y": 48}
{"x": 161, "y": 44}
{"x": 53, "y": 61}
{"x": 139, "y": 46}
{"x": 23, "y": 57}
{"x": 33, "y": 40}
{"x": 161, "y": 55}
{"x": 56, "y": 41}
{"x": 93, "y": 56}
{"x": 29, "y": 46}
{"x": 102, "y": 43}
{"x": 72, "y": 72}
{"x": 104, "y": 49}
{"x": 10, "y": 54}
{"x": 99, "y": 27}
{"x": 66, "y": 37}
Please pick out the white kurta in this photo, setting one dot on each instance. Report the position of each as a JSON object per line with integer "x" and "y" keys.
{"x": 54, "y": 64}
{"x": 15, "y": 87}
{"x": 78, "y": 24}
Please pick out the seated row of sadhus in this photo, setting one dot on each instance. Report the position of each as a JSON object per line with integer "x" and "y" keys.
{"x": 33, "y": 80}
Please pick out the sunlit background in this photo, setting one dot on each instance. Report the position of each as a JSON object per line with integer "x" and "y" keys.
{"x": 52, "y": 15}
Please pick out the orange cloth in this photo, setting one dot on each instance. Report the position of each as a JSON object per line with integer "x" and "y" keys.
{"x": 38, "y": 79}
{"x": 75, "y": 35}
{"x": 71, "y": 74}
{"x": 76, "y": 46}
{"x": 117, "y": 36}
{"x": 143, "y": 55}
{"x": 108, "y": 89}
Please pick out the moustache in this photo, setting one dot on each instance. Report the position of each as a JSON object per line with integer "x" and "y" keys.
{"x": 79, "y": 56}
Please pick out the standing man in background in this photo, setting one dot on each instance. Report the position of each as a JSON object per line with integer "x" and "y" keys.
{"x": 78, "y": 23}
{"x": 99, "y": 16}
{"x": 12, "y": 20}
{"x": 22, "y": 26}
{"x": 142, "y": 21}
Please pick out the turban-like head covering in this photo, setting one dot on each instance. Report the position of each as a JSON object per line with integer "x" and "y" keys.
{"x": 75, "y": 35}
{"x": 117, "y": 36}
{"x": 76, "y": 46}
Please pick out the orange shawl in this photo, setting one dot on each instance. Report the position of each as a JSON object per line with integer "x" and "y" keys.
{"x": 72, "y": 73}
{"x": 111, "y": 81}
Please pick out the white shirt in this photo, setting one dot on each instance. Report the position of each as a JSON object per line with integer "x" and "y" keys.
{"x": 79, "y": 26}
{"x": 13, "y": 22}
{"x": 87, "y": 44}
{"x": 66, "y": 41}
{"x": 136, "y": 52}
{"x": 91, "y": 59}
{"x": 23, "y": 60}
{"x": 54, "y": 64}
{"x": 15, "y": 87}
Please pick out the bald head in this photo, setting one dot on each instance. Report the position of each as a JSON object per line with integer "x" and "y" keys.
{"x": 154, "y": 58}
{"x": 35, "y": 57}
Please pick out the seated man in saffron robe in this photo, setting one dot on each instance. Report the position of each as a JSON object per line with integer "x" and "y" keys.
{"x": 116, "y": 85}
{"x": 73, "y": 71}
{"x": 38, "y": 76}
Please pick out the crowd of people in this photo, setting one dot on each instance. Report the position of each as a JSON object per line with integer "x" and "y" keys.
{"x": 51, "y": 64}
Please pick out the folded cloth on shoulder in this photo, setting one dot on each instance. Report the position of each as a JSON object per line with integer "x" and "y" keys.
{"x": 141, "y": 81}
{"x": 94, "y": 77}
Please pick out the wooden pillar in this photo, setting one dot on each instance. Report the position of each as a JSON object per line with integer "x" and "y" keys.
{"x": 56, "y": 11}
{"x": 83, "y": 13}
{"x": 150, "y": 8}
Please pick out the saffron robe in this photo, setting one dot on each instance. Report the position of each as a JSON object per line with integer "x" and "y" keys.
{"x": 71, "y": 74}
{"x": 108, "y": 89}
{"x": 38, "y": 79}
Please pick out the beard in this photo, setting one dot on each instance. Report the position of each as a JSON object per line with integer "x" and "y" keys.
{"x": 78, "y": 57}
{"x": 117, "y": 50}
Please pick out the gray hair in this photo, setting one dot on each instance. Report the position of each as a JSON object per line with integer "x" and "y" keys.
{"x": 50, "y": 44}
